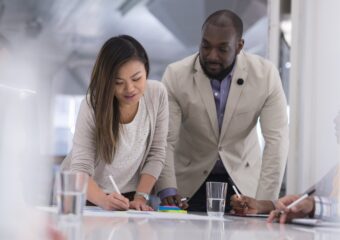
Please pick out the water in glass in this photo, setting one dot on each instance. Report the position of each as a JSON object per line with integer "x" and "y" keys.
{"x": 70, "y": 205}
{"x": 215, "y": 207}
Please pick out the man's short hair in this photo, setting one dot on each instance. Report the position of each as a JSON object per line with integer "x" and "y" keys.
{"x": 224, "y": 18}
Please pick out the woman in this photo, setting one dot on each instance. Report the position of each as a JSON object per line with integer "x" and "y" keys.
{"x": 121, "y": 128}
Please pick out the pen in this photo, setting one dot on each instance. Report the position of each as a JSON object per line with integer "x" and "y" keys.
{"x": 297, "y": 201}
{"x": 114, "y": 184}
{"x": 304, "y": 196}
{"x": 236, "y": 191}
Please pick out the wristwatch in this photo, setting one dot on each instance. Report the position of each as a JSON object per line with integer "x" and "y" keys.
{"x": 144, "y": 195}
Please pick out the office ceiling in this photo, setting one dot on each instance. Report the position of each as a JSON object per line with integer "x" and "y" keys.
{"x": 67, "y": 34}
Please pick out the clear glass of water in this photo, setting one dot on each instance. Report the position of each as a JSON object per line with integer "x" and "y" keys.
{"x": 70, "y": 191}
{"x": 216, "y": 197}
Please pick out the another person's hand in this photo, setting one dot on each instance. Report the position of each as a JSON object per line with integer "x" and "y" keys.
{"x": 139, "y": 203}
{"x": 115, "y": 201}
{"x": 248, "y": 205}
{"x": 175, "y": 201}
{"x": 54, "y": 234}
{"x": 283, "y": 214}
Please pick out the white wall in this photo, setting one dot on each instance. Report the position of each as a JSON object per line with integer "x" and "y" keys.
{"x": 315, "y": 91}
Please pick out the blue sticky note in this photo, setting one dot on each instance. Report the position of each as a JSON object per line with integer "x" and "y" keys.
{"x": 165, "y": 208}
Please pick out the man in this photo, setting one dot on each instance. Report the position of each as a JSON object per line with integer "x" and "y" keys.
{"x": 216, "y": 98}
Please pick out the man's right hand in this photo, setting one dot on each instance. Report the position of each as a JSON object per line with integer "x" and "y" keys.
{"x": 248, "y": 205}
{"x": 175, "y": 201}
{"x": 243, "y": 205}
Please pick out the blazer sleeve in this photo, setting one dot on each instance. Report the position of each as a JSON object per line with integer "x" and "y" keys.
{"x": 167, "y": 179}
{"x": 274, "y": 125}
{"x": 154, "y": 161}
{"x": 83, "y": 150}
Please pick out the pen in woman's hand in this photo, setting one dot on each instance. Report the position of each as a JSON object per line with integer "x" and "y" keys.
{"x": 114, "y": 184}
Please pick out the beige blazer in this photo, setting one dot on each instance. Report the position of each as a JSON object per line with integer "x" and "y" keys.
{"x": 194, "y": 140}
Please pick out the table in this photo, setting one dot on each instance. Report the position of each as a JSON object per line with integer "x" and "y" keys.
{"x": 126, "y": 226}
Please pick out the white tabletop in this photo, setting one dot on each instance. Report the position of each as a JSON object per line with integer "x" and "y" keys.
{"x": 128, "y": 226}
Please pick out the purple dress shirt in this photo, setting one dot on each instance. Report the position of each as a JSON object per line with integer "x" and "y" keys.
{"x": 220, "y": 92}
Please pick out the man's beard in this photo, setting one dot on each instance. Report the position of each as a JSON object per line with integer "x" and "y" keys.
{"x": 219, "y": 76}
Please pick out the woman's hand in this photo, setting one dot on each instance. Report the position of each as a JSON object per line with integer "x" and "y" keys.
{"x": 114, "y": 201}
{"x": 139, "y": 203}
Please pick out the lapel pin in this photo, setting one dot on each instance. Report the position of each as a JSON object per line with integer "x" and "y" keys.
{"x": 240, "y": 81}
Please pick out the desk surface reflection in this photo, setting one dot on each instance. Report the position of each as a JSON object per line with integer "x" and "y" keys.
{"x": 233, "y": 228}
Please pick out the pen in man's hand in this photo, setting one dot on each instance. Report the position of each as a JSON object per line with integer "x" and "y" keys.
{"x": 236, "y": 191}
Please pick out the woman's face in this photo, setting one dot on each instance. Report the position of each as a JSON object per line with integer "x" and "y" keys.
{"x": 130, "y": 83}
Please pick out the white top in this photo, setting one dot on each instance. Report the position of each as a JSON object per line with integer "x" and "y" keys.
{"x": 129, "y": 153}
{"x": 82, "y": 157}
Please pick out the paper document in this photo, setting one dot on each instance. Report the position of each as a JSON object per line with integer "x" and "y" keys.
{"x": 98, "y": 212}
{"x": 95, "y": 211}
{"x": 258, "y": 215}
{"x": 315, "y": 222}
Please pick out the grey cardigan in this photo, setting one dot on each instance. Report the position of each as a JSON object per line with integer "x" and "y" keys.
{"x": 82, "y": 156}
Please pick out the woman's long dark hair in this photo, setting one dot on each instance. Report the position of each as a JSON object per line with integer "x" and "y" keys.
{"x": 115, "y": 52}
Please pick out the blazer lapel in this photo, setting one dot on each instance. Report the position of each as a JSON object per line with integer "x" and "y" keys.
{"x": 205, "y": 90}
{"x": 234, "y": 92}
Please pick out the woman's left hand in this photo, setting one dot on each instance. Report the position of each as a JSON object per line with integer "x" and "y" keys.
{"x": 139, "y": 203}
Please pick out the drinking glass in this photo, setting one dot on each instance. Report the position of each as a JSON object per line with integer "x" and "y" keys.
{"x": 71, "y": 190}
{"x": 216, "y": 197}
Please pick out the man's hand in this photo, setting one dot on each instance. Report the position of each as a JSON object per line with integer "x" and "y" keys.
{"x": 243, "y": 205}
{"x": 284, "y": 214}
{"x": 175, "y": 201}
{"x": 248, "y": 205}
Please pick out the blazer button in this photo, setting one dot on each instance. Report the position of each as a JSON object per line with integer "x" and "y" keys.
{"x": 219, "y": 148}
{"x": 205, "y": 172}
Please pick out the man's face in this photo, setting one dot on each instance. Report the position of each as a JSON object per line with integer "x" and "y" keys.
{"x": 218, "y": 49}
